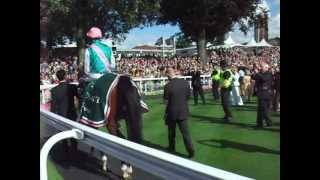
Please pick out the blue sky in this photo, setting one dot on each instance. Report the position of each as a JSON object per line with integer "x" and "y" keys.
{"x": 149, "y": 35}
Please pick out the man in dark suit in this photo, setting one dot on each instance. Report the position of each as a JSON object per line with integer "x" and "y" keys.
{"x": 176, "y": 94}
{"x": 62, "y": 102}
{"x": 276, "y": 86}
{"x": 264, "y": 93}
{"x": 63, "y": 97}
{"x": 197, "y": 86}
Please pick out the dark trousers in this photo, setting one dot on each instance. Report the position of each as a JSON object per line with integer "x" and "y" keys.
{"x": 215, "y": 90}
{"x": 276, "y": 100}
{"x": 70, "y": 145}
{"x": 183, "y": 126}
{"x": 196, "y": 91}
{"x": 263, "y": 111}
{"x": 225, "y": 96}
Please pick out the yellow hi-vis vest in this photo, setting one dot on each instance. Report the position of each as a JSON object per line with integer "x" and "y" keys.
{"x": 217, "y": 76}
{"x": 225, "y": 83}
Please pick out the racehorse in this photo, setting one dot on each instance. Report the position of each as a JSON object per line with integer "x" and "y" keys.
{"x": 121, "y": 100}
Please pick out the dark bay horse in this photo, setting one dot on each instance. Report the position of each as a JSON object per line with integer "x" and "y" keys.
{"x": 123, "y": 102}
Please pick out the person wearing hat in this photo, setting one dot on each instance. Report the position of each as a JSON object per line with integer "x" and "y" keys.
{"x": 176, "y": 95}
{"x": 98, "y": 56}
{"x": 225, "y": 89}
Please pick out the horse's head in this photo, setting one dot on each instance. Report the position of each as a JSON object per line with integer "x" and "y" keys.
{"x": 129, "y": 105}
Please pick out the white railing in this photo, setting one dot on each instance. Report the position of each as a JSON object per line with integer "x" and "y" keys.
{"x": 147, "y": 86}
{"x": 151, "y": 161}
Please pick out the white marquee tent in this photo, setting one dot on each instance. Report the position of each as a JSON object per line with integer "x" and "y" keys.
{"x": 263, "y": 43}
{"x": 228, "y": 43}
{"x": 252, "y": 43}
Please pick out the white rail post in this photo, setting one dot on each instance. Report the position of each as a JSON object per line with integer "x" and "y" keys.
{"x": 74, "y": 133}
{"x": 145, "y": 87}
{"x": 141, "y": 86}
{"x": 43, "y": 96}
{"x": 210, "y": 82}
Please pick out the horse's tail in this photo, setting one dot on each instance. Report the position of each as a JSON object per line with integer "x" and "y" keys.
{"x": 129, "y": 96}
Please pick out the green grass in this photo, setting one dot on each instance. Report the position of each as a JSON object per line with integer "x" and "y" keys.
{"x": 236, "y": 147}
{"x": 53, "y": 174}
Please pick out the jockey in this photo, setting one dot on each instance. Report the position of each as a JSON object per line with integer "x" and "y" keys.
{"x": 98, "y": 56}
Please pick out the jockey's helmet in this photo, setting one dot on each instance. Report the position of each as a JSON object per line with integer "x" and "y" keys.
{"x": 94, "y": 33}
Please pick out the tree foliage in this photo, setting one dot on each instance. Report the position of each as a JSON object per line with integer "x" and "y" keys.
{"x": 117, "y": 17}
{"x": 73, "y": 18}
{"x": 182, "y": 41}
{"x": 206, "y": 20}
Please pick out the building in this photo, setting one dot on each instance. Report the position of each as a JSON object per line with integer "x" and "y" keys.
{"x": 44, "y": 52}
{"x": 148, "y": 50}
{"x": 261, "y": 23}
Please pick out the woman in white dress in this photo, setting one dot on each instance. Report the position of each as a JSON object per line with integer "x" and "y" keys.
{"x": 236, "y": 99}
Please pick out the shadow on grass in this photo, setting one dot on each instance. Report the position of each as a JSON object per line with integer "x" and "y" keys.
{"x": 221, "y": 143}
{"x": 79, "y": 160}
{"x": 245, "y": 108}
{"x": 276, "y": 124}
{"x": 221, "y": 121}
{"x": 276, "y": 114}
{"x": 213, "y": 103}
{"x": 152, "y": 97}
{"x": 250, "y": 102}
{"x": 157, "y": 146}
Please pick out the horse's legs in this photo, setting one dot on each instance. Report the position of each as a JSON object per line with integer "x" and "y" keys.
{"x": 133, "y": 119}
{"x": 112, "y": 124}
{"x": 130, "y": 99}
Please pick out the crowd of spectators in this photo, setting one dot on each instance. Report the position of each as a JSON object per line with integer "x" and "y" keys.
{"x": 154, "y": 67}
{"x": 147, "y": 67}
{"x": 239, "y": 57}
{"x": 48, "y": 69}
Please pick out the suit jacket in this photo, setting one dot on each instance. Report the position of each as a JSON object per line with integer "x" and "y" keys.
{"x": 62, "y": 102}
{"x": 264, "y": 85}
{"x": 196, "y": 79}
{"x": 277, "y": 81}
{"x": 177, "y": 93}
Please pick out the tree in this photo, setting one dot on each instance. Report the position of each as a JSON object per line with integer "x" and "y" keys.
{"x": 43, "y": 28}
{"x": 73, "y": 18}
{"x": 182, "y": 40}
{"x": 206, "y": 20}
